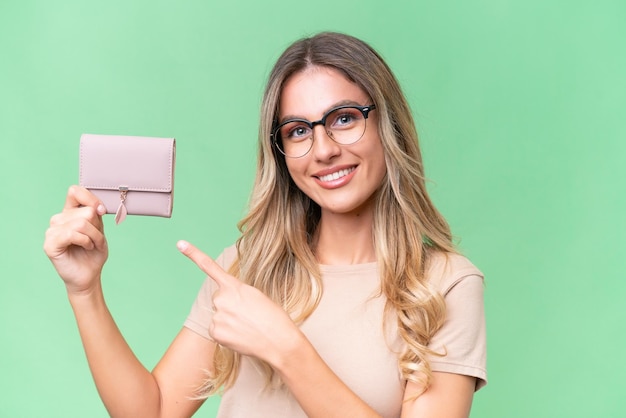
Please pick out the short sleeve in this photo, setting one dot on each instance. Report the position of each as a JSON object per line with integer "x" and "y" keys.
{"x": 201, "y": 312}
{"x": 463, "y": 335}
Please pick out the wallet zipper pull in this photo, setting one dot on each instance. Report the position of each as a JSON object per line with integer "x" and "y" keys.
{"x": 120, "y": 215}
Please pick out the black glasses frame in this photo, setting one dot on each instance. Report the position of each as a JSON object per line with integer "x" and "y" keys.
{"x": 365, "y": 110}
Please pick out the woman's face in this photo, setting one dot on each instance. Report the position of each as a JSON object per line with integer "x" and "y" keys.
{"x": 341, "y": 179}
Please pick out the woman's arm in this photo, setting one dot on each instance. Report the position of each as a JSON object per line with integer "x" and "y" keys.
{"x": 247, "y": 321}
{"x": 76, "y": 245}
{"x": 449, "y": 396}
{"x": 126, "y": 387}
{"x": 318, "y": 390}
{"x": 322, "y": 394}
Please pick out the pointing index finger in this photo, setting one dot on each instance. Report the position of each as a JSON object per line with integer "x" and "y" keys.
{"x": 205, "y": 263}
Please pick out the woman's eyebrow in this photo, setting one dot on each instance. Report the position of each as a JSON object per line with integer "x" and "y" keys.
{"x": 345, "y": 102}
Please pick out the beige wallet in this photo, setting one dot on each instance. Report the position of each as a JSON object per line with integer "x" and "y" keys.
{"x": 132, "y": 175}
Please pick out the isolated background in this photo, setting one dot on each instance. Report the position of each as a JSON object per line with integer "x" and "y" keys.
{"x": 520, "y": 105}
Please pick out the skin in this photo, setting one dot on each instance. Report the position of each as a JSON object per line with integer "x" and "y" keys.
{"x": 346, "y": 203}
{"x": 245, "y": 320}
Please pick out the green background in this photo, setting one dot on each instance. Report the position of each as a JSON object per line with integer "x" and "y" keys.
{"x": 520, "y": 106}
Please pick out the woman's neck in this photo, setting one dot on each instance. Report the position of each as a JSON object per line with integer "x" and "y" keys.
{"x": 345, "y": 239}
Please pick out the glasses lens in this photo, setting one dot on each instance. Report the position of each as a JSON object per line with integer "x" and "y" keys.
{"x": 293, "y": 138}
{"x": 345, "y": 125}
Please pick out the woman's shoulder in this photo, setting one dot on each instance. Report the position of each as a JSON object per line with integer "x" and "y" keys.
{"x": 445, "y": 269}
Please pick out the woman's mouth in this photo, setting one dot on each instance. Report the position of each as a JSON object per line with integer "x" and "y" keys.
{"x": 336, "y": 175}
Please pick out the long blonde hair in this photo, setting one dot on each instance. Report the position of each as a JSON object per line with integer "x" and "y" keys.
{"x": 275, "y": 248}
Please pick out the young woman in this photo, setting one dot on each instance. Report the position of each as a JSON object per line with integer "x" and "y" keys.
{"x": 344, "y": 296}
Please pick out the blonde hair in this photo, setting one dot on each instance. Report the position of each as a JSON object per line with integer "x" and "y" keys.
{"x": 275, "y": 248}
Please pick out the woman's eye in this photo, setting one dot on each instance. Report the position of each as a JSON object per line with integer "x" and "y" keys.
{"x": 344, "y": 120}
{"x": 296, "y": 132}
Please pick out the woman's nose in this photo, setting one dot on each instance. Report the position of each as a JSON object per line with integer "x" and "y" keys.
{"x": 324, "y": 147}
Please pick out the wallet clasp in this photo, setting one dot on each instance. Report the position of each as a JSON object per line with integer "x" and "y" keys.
{"x": 121, "y": 213}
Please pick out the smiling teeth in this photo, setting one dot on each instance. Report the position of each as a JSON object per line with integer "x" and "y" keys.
{"x": 338, "y": 174}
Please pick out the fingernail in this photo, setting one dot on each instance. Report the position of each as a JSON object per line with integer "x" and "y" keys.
{"x": 101, "y": 209}
{"x": 182, "y": 245}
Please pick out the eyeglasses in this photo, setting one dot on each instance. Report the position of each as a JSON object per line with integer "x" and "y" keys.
{"x": 344, "y": 124}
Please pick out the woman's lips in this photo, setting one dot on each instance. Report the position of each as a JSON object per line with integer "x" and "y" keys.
{"x": 336, "y": 178}
{"x": 336, "y": 175}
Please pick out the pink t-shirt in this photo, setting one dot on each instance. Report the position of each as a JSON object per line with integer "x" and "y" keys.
{"x": 346, "y": 330}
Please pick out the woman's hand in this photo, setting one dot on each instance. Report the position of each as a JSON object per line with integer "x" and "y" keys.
{"x": 245, "y": 320}
{"x": 248, "y": 322}
{"x": 75, "y": 241}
